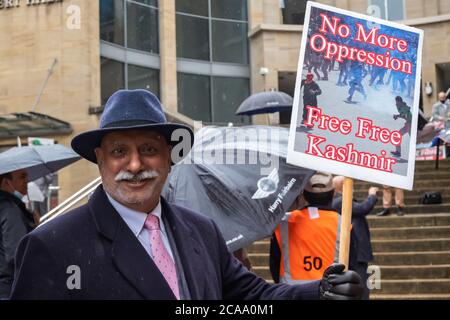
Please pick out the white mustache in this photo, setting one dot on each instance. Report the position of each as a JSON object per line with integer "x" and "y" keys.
{"x": 127, "y": 176}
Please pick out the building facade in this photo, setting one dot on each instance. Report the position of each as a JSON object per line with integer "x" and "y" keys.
{"x": 202, "y": 58}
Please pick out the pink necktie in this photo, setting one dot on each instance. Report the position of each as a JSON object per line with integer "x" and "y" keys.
{"x": 160, "y": 254}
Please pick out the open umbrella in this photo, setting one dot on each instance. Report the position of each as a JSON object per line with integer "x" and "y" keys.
{"x": 265, "y": 102}
{"x": 247, "y": 199}
{"x": 37, "y": 160}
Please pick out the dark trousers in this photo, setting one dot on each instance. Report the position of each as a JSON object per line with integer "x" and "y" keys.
{"x": 361, "y": 269}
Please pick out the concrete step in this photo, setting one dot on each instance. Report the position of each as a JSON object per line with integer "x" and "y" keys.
{"x": 442, "y": 173}
{"x": 414, "y": 286}
{"x": 432, "y": 164}
{"x": 411, "y": 258}
{"x": 432, "y": 174}
{"x": 416, "y": 220}
{"x": 420, "y": 208}
{"x": 410, "y": 200}
{"x": 410, "y": 233}
{"x": 259, "y": 259}
{"x": 410, "y": 196}
{"x": 431, "y": 296}
{"x": 405, "y": 245}
{"x": 397, "y": 272}
{"x": 425, "y": 258}
{"x": 259, "y": 247}
{"x": 262, "y": 271}
{"x": 418, "y": 183}
{"x": 361, "y": 193}
{"x": 424, "y": 173}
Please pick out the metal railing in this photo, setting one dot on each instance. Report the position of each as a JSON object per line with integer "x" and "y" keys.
{"x": 71, "y": 201}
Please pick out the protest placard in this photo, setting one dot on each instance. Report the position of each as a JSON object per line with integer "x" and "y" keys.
{"x": 356, "y": 97}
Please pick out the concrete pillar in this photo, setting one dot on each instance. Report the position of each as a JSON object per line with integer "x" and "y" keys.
{"x": 168, "y": 54}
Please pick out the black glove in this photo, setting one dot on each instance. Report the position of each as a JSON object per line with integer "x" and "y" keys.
{"x": 337, "y": 284}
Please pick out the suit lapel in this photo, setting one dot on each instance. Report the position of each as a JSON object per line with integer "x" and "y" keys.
{"x": 188, "y": 250}
{"x": 128, "y": 255}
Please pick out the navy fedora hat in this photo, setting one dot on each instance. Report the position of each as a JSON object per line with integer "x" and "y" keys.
{"x": 126, "y": 110}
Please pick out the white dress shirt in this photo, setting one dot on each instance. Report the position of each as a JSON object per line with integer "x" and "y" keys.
{"x": 135, "y": 220}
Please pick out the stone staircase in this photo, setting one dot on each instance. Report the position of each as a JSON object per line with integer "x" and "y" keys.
{"x": 412, "y": 251}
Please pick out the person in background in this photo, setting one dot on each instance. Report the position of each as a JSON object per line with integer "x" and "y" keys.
{"x": 310, "y": 92}
{"x": 404, "y": 113}
{"x": 15, "y": 222}
{"x": 308, "y": 239}
{"x": 387, "y": 201}
{"x": 360, "y": 228}
{"x": 441, "y": 109}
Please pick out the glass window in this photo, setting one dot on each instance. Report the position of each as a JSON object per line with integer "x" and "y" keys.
{"x": 395, "y": 10}
{"x": 112, "y": 77}
{"x": 293, "y": 11}
{"x": 192, "y": 38}
{"x": 378, "y": 8}
{"x": 153, "y": 3}
{"x": 229, "y": 42}
{"x": 228, "y": 93}
{"x": 142, "y": 28}
{"x": 198, "y": 7}
{"x": 143, "y": 78}
{"x": 194, "y": 98}
{"x": 229, "y": 9}
{"x": 112, "y": 21}
{"x": 390, "y": 10}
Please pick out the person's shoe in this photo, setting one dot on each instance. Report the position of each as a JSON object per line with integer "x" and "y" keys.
{"x": 396, "y": 154}
{"x": 383, "y": 212}
{"x": 399, "y": 211}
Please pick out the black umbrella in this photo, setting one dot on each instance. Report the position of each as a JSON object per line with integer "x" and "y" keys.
{"x": 265, "y": 102}
{"x": 246, "y": 200}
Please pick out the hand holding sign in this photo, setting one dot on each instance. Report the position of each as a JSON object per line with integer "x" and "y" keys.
{"x": 360, "y": 128}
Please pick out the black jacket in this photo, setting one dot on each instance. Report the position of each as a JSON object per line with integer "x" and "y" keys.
{"x": 360, "y": 226}
{"x": 114, "y": 265}
{"x": 15, "y": 222}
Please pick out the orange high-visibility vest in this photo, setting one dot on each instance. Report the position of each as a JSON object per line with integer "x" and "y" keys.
{"x": 309, "y": 243}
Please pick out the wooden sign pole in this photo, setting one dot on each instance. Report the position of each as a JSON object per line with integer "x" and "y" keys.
{"x": 346, "y": 220}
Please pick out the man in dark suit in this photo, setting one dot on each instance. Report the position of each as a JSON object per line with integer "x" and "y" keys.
{"x": 360, "y": 229}
{"x": 127, "y": 242}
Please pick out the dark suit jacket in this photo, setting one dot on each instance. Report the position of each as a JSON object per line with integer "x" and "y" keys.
{"x": 360, "y": 226}
{"x": 114, "y": 265}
